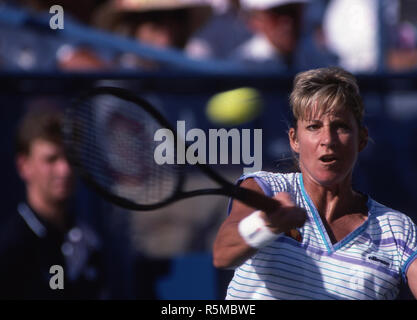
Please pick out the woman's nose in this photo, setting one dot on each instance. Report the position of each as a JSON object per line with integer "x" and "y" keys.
{"x": 328, "y": 137}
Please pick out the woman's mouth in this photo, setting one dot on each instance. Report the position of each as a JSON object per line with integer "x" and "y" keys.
{"x": 328, "y": 159}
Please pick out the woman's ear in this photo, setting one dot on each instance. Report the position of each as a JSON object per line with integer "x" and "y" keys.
{"x": 292, "y": 135}
{"x": 363, "y": 138}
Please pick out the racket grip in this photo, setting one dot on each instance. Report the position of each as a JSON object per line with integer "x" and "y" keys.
{"x": 295, "y": 234}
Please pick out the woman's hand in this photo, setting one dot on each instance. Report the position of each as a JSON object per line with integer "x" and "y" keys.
{"x": 287, "y": 217}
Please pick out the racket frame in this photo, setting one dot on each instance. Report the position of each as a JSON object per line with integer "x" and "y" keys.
{"x": 249, "y": 197}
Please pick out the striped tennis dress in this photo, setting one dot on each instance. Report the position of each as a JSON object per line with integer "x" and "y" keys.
{"x": 369, "y": 263}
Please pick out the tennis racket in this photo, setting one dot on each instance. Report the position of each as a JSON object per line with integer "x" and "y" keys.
{"x": 109, "y": 135}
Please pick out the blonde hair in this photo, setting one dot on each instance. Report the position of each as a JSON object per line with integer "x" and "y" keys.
{"x": 325, "y": 90}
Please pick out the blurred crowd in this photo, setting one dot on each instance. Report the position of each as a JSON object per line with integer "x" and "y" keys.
{"x": 363, "y": 36}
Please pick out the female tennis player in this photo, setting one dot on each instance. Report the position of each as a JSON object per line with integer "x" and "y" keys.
{"x": 351, "y": 246}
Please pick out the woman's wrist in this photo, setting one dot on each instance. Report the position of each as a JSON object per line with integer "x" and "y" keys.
{"x": 255, "y": 232}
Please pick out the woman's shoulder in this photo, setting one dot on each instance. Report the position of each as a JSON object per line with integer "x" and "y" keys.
{"x": 388, "y": 216}
{"x": 273, "y": 182}
{"x": 272, "y": 176}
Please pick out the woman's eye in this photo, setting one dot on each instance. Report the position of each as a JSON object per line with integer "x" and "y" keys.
{"x": 313, "y": 127}
{"x": 343, "y": 127}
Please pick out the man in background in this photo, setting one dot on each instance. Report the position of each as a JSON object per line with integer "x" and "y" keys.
{"x": 44, "y": 232}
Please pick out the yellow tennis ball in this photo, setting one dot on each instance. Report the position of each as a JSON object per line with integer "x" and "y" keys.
{"x": 234, "y": 107}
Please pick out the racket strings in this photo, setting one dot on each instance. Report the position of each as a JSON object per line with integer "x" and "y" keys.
{"x": 113, "y": 140}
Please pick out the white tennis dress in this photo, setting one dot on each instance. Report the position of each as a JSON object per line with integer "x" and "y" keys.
{"x": 369, "y": 263}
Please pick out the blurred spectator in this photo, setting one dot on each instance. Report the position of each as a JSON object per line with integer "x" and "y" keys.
{"x": 222, "y": 34}
{"x": 81, "y": 11}
{"x": 31, "y": 46}
{"x": 158, "y": 23}
{"x": 401, "y": 21}
{"x": 279, "y": 42}
{"x": 45, "y": 231}
{"x": 373, "y": 35}
{"x": 352, "y": 31}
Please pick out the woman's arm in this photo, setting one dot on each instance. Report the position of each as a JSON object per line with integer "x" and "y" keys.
{"x": 412, "y": 278}
{"x": 230, "y": 249}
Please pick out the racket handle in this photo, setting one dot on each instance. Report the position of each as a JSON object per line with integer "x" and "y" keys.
{"x": 295, "y": 234}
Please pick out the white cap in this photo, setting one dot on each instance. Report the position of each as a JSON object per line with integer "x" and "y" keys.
{"x": 267, "y": 4}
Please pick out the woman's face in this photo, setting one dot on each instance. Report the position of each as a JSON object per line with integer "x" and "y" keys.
{"x": 328, "y": 146}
